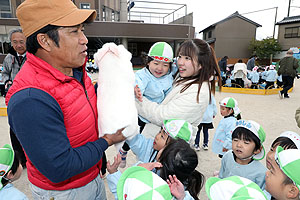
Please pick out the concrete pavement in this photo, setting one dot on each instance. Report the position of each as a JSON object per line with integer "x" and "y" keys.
{"x": 274, "y": 114}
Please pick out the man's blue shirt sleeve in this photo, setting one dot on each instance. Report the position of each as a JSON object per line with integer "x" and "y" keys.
{"x": 38, "y": 122}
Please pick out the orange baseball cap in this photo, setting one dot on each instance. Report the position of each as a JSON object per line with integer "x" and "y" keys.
{"x": 36, "y": 14}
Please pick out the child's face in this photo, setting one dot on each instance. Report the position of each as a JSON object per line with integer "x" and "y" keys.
{"x": 274, "y": 182}
{"x": 160, "y": 140}
{"x": 270, "y": 158}
{"x": 186, "y": 66}
{"x": 243, "y": 149}
{"x": 225, "y": 111}
{"x": 158, "y": 68}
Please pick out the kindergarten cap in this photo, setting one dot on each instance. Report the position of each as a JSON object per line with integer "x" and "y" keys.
{"x": 230, "y": 102}
{"x": 233, "y": 188}
{"x": 272, "y": 67}
{"x": 6, "y": 160}
{"x": 178, "y": 128}
{"x": 161, "y": 51}
{"x": 139, "y": 183}
{"x": 255, "y": 68}
{"x": 289, "y": 162}
{"x": 292, "y": 136}
{"x": 258, "y": 131}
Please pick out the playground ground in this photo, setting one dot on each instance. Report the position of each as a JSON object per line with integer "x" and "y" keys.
{"x": 274, "y": 114}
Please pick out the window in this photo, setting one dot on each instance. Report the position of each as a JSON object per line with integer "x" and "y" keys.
{"x": 84, "y": 5}
{"x": 292, "y": 32}
{"x": 209, "y": 34}
{"x": 132, "y": 48}
{"x": 204, "y": 36}
{"x": 5, "y": 9}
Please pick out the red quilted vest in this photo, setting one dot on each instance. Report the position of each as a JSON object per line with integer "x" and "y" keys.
{"x": 71, "y": 96}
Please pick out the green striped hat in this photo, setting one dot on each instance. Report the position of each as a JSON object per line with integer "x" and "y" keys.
{"x": 289, "y": 162}
{"x": 258, "y": 131}
{"x": 178, "y": 128}
{"x": 6, "y": 160}
{"x": 233, "y": 188}
{"x": 139, "y": 183}
{"x": 161, "y": 51}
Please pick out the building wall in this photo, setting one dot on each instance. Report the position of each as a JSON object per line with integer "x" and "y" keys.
{"x": 233, "y": 38}
{"x": 287, "y": 43}
{"x": 188, "y": 19}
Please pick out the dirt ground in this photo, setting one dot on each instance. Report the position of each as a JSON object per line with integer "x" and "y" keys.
{"x": 274, "y": 114}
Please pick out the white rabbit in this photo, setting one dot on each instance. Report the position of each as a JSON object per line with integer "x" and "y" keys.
{"x": 115, "y": 93}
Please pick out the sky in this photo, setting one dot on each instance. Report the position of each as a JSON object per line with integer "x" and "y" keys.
{"x": 208, "y": 12}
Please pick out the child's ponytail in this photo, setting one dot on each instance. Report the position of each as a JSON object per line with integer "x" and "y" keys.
{"x": 194, "y": 183}
{"x": 179, "y": 159}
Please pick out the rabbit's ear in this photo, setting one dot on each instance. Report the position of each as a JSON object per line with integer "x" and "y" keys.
{"x": 108, "y": 47}
{"x": 124, "y": 53}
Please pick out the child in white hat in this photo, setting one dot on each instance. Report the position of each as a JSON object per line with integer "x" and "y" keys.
{"x": 146, "y": 149}
{"x": 177, "y": 161}
{"x": 283, "y": 178}
{"x": 139, "y": 183}
{"x": 10, "y": 170}
{"x": 154, "y": 80}
{"x": 247, "y": 150}
{"x": 287, "y": 140}
{"x": 222, "y": 138}
{"x": 271, "y": 76}
{"x": 233, "y": 188}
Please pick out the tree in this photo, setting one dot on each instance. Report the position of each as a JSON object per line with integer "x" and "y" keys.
{"x": 265, "y": 48}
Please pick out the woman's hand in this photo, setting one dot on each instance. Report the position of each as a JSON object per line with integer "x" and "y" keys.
{"x": 138, "y": 93}
{"x": 176, "y": 187}
{"x": 114, "y": 167}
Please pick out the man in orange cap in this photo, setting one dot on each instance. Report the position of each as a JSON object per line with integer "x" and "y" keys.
{"x": 52, "y": 104}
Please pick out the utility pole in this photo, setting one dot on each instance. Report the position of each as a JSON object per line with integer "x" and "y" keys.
{"x": 289, "y": 8}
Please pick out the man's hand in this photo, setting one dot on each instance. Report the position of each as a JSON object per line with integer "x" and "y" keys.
{"x": 176, "y": 187}
{"x": 114, "y": 138}
{"x": 7, "y": 83}
{"x": 114, "y": 167}
{"x": 138, "y": 93}
{"x": 150, "y": 166}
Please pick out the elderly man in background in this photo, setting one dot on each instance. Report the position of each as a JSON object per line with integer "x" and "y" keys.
{"x": 52, "y": 104}
{"x": 16, "y": 56}
{"x": 288, "y": 66}
{"x": 12, "y": 64}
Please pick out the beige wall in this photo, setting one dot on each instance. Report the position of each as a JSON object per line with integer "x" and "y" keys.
{"x": 188, "y": 19}
{"x": 233, "y": 38}
{"x": 286, "y": 43}
{"x": 113, "y": 4}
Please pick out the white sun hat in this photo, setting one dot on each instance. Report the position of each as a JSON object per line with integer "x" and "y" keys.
{"x": 139, "y": 183}
{"x": 292, "y": 136}
{"x": 289, "y": 162}
{"x": 7, "y": 156}
{"x": 178, "y": 128}
{"x": 258, "y": 131}
{"x": 233, "y": 188}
